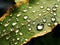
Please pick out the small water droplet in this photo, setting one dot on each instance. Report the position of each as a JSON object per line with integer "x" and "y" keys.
{"x": 49, "y": 24}
{"x": 30, "y": 7}
{"x": 48, "y": 9}
{"x": 56, "y": 5}
{"x": 55, "y": 23}
{"x": 44, "y": 20}
{"x": 41, "y": 7}
{"x": 54, "y": 14}
{"x": 53, "y": 19}
{"x": 25, "y": 17}
{"x": 37, "y": 3}
{"x": 18, "y": 38}
{"x": 28, "y": 25}
{"x": 5, "y": 25}
{"x": 21, "y": 33}
{"x": 34, "y": 11}
{"x": 13, "y": 39}
{"x": 54, "y": 9}
{"x": 14, "y": 23}
{"x": 17, "y": 31}
{"x": 39, "y": 14}
{"x": 30, "y": 29}
{"x": 34, "y": 22}
{"x": 16, "y": 43}
{"x": 25, "y": 10}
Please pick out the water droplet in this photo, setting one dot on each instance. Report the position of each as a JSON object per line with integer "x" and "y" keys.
{"x": 30, "y": 29}
{"x": 18, "y": 38}
{"x": 7, "y": 37}
{"x": 34, "y": 22}
{"x": 21, "y": 33}
{"x": 29, "y": 20}
{"x": 13, "y": 39}
{"x": 37, "y": 3}
{"x": 58, "y": 0}
{"x": 28, "y": 25}
{"x": 14, "y": 23}
{"x": 44, "y": 11}
{"x": 5, "y": 25}
{"x": 55, "y": 23}
{"x": 40, "y": 27}
{"x": 16, "y": 43}
{"x": 11, "y": 29}
{"x": 17, "y": 31}
{"x": 44, "y": 20}
{"x": 18, "y": 14}
{"x": 34, "y": 11}
{"x": 49, "y": 24}
{"x": 56, "y": 5}
{"x": 54, "y": 9}
{"x": 22, "y": 24}
{"x": 30, "y": 7}
{"x": 4, "y": 30}
{"x": 25, "y": 17}
{"x": 26, "y": 39}
{"x": 39, "y": 14}
{"x": 48, "y": 9}
{"x": 53, "y": 19}
{"x": 25, "y": 10}
{"x": 41, "y": 7}
{"x": 54, "y": 14}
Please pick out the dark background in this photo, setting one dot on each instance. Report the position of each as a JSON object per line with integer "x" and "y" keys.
{"x": 4, "y": 6}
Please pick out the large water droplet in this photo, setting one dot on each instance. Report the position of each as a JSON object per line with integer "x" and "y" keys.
{"x": 40, "y": 27}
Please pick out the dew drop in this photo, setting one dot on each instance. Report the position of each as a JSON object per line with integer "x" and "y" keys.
{"x": 33, "y": 11}
{"x": 25, "y": 10}
{"x": 18, "y": 38}
{"x": 4, "y": 30}
{"x": 39, "y": 14}
{"x": 54, "y": 14}
{"x": 54, "y": 9}
{"x": 13, "y": 39}
{"x": 48, "y": 9}
{"x": 56, "y": 5}
{"x": 53, "y": 19}
{"x": 21, "y": 33}
{"x": 25, "y": 17}
{"x": 37, "y": 3}
{"x": 14, "y": 23}
{"x": 29, "y": 25}
{"x": 17, "y": 31}
{"x": 44, "y": 20}
{"x": 40, "y": 27}
{"x": 18, "y": 15}
{"x": 30, "y": 7}
{"x": 5, "y": 25}
{"x": 41, "y": 7}
{"x": 15, "y": 43}
{"x": 55, "y": 23}
{"x": 34, "y": 22}
{"x": 49, "y": 24}
{"x": 30, "y": 29}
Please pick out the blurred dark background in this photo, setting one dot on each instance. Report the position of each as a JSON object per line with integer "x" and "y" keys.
{"x": 5, "y": 5}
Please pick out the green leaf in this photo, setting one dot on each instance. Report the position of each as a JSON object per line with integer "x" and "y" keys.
{"x": 29, "y": 20}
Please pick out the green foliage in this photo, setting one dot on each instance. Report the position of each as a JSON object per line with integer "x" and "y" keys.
{"x": 22, "y": 23}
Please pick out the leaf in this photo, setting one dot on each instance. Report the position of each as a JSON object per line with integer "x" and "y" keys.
{"x": 35, "y": 18}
